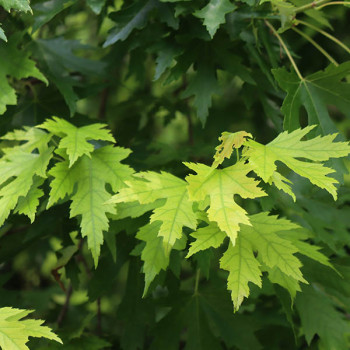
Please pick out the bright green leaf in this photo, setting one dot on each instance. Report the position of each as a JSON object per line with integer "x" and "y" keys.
{"x": 17, "y": 172}
{"x": 229, "y": 141}
{"x": 221, "y": 185}
{"x": 174, "y": 214}
{"x": 155, "y": 257}
{"x": 206, "y": 237}
{"x": 75, "y": 140}
{"x": 90, "y": 175}
{"x": 287, "y": 147}
{"x": 274, "y": 251}
{"x": 243, "y": 268}
{"x": 14, "y": 332}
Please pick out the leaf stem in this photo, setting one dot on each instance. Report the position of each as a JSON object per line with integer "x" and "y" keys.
{"x": 310, "y": 5}
{"x": 197, "y": 281}
{"x": 285, "y": 49}
{"x": 333, "y": 3}
{"x": 329, "y": 36}
{"x": 237, "y": 155}
{"x": 317, "y": 46}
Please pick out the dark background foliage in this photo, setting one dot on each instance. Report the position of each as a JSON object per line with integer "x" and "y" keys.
{"x": 167, "y": 89}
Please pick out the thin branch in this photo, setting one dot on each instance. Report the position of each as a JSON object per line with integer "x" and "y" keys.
{"x": 285, "y": 49}
{"x": 65, "y": 307}
{"x": 329, "y": 36}
{"x": 196, "y": 284}
{"x": 103, "y": 104}
{"x": 317, "y": 46}
{"x": 333, "y": 3}
{"x": 99, "y": 318}
{"x": 310, "y": 6}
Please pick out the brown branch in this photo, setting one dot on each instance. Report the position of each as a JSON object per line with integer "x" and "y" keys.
{"x": 103, "y": 104}
{"x": 65, "y": 307}
{"x": 99, "y": 317}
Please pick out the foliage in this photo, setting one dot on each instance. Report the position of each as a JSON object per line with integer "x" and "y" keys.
{"x": 14, "y": 333}
{"x": 169, "y": 240}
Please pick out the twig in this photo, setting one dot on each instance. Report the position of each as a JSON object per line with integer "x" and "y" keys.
{"x": 103, "y": 104}
{"x": 329, "y": 36}
{"x": 317, "y": 46}
{"x": 333, "y": 3}
{"x": 65, "y": 307}
{"x": 310, "y": 5}
{"x": 285, "y": 49}
{"x": 99, "y": 318}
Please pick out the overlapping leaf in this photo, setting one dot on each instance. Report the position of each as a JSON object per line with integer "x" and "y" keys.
{"x": 229, "y": 141}
{"x": 17, "y": 64}
{"x": 174, "y": 214}
{"x": 243, "y": 268}
{"x": 18, "y": 171}
{"x": 155, "y": 254}
{"x": 221, "y": 185}
{"x": 206, "y": 237}
{"x": 276, "y": 244}
{"x": 319, "y": 316}
{"x": 203, "y": 86}
{"x": 287, "y": 147}
{"x": 134, "y": 16}
{"x": 213, "y": 14}
{"x": 90, "y": 175}
{"x": 14, "y": 332}
{"x": 315, "y": 93}
{"x": 76, "y": 140}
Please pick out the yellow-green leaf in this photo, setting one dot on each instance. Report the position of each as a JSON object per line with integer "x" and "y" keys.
{"x": 221, "y": 185}
{"x": 229, "y": 141}
{"x": 76, "y": 140}
{"x": 14, "y": 332}
{"x": 243, "y": 268}
{"x": 289, "y": 148}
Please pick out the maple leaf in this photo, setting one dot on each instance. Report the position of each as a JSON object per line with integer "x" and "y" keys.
{"x": 17, "y": 64}
{"x": 33, "y": 139}
{"x": 229, "y": 141}
{"x": 243, "y": 268}
{"x": 286, "y": 147}
{"x": 314, "y": 92}
{"x": 274, "y": 251}
{"x": 154, "y": 256}
{"x": 133, "y": 17}
{"x": 214, "y": 13}
{"x": 202, "y": 86}
{"x": 14, "y": 332}
{"x": 175, "y": 213}
{"x": 276, "y": 243}
{"x": 2, "y": 35}
{"x": 29, "y": 203}
{"x": 276, "y": 276}
{"x": 17, "y": 174}
{"x": 90, "y": 175}
{"x": 221, "y": 185}
{"x": 318, "y": 315}
{"x": 60, "y": 59}
{"x": 206, "y": 237}
{"x": 19, "y": 5}
{"x": 76, "y": 140}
